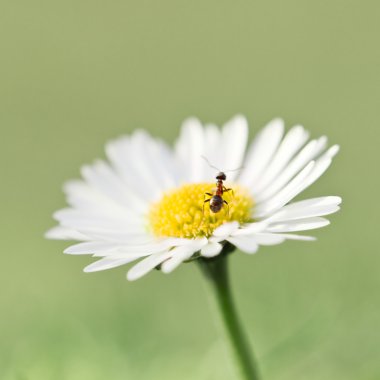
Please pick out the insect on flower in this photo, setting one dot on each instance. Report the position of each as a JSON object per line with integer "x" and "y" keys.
{"x": 216, "y": 200}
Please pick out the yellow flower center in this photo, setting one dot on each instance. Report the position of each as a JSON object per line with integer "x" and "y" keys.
{"x": 183, "y": 212}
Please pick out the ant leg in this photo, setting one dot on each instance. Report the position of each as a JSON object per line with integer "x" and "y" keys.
{"x": 203, "y": 209}
{"x": 204, "y": 199}
{"x": 228, "y": 207}
{"x": 227, "y": 190}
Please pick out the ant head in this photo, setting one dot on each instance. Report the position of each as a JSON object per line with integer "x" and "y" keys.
{"x": 221, "y": 176}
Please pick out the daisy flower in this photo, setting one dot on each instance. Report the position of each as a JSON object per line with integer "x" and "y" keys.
{"x": 146, "y": 203}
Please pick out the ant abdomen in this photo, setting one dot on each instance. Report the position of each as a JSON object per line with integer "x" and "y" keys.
{"x": 216, "y": 203}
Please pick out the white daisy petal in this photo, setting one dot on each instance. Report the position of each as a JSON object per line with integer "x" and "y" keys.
{"x": 215, "y": 155}
{"x": 268, "y": 238}
{"x": 90, "y": 247}
{"x": 150, "y": 248}
{"x": 302, "y": 181}
{"x": 146, "y": 265}
{"x": 261, "y": 151}
{"x": 102, "y": 178}
{"x": 254, "y": 230}
{"x": 285, "y": 195}
{"x": 182, "y": 253}
{"x": 160, "y": 174}
{"x": 308, "y": 208}
{"x": 64, "y": 233}
{"x": 107, "y": 263}
{"x": 88, "y": 225}
{"x": 291, "y": 143}
{"x": 225, "y": 229}
{"x": 117, "y": 237}
{"x": 80, "y": 195}
{"x": 333, "y": 151}
{"x": 297, "y": 237}
{"x": 299, "y": 225}
{"x": 77, "y": 219}
{"x": 190, "y": 149}
{"x": 121, "y": 154}
{"x": 140, "y": 169}
{"x": 308, "y": 153}
{"x": 179, "y": 254}
{"x": 211, "y": 249}
{"x": 246, "y": 244}
{"x": 234, "y": 135}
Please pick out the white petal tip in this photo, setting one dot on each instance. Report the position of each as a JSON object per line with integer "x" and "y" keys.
{"x": 132, "y": 276}
{"x": 168, "y": 268}
{"x": 191, "y": 122}
{"x": 226, "y": 229}
{"x": 89, "y": 268}
{"x": 63, "y": 233}
{"x": 333, "y": 151}
{"x": 277, "y": 121}
{"x": 299, "y": 237}
{"x": 211, "y": 250}
{"x": 49, "y": 234}
{"x": 239, "y": 119}
{"x": 245, "y": 244}
{"x": 72, "y": 251}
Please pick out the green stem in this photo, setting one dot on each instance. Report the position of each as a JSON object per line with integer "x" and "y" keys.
{"x": 216, "y": 272}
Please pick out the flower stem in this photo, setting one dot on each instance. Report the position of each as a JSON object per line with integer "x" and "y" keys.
{"x": 216, "y": 272}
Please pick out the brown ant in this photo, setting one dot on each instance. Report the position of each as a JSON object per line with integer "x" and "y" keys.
{"x": 216, "y": 200}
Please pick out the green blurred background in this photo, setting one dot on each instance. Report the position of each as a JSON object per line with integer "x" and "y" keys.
{"x": 76, "y": 73}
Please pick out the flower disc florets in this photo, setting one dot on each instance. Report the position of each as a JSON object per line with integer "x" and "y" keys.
{"x": 182, "y": 212}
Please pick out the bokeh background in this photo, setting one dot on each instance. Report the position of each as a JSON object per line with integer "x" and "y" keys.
{"x": 77, "y": 73}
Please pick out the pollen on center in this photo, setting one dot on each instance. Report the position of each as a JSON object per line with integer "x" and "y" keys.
{"x": 183, "y": 212}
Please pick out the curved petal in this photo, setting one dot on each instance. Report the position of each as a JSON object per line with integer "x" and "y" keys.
{"x": 225, "y": 230}
{"x": 308, "y": 208}
{"x": 146, "y": 165}
{"x": 146, "y": 265}
{"x": 90, "y": 247}
{"x": 285, "y": 195}
{"x": 107, "y": 263}
{"x": 190, "y": 149}
{"x": 261, "y": 152}
{"x": 64, "y": 233}
{"x": 298, "y": 184}
{"x": 292, "y": 142}
{"x": 204, "y": 151}
{"x": 299, "y": 225}
{"x": 101, "y": 177}
{"x": 246, "y": 244}
{"x": 299, "y": 162}
{"x": 211, "y": 249}
{"x": 234, "y": 136}
{"x": 179, "y": 254}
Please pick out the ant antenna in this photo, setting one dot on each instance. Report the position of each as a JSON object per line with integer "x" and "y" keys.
{"x": 209, "y": 164}
{"x": 234, "y": 170}
{"x": 214, "y": 167}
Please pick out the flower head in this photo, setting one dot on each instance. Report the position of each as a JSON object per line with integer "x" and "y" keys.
{"x": 160, "y": 206}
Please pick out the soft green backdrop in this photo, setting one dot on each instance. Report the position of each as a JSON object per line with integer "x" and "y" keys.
{"x": 76, "y": 73}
